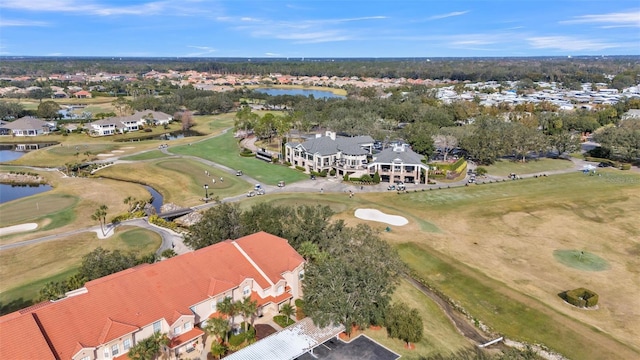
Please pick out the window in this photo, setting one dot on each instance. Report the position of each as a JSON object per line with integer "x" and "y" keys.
{"x": 157, "y": 326}
{"x": 85, "y": 358}
{"x": 107, "y": 354}
{"x": 114, "y": 349}
{"x": 188, "y": 326}
{"x": 280, "y": 290}
{"x": 301, "y": 275}
{"x": 126, "y": 344}
{"x": 246, "y": 291}
{"x": 177, "y": 330}
{"x": 214, "y": 306}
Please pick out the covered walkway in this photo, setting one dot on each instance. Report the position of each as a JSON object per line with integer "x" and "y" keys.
{"x": 288, "y": 343}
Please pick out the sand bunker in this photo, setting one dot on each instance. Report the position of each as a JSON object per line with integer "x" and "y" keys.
{"x": 103, "y": 155}
{"x": 18, "y": 228}
{"x": 128, "y": 147}
{"x": 117, "y": 151}
{"x": 379, "y": 216}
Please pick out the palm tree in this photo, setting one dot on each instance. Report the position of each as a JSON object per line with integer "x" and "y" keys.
{"x": 101, "y": 216}
{"x": 248, "y": 309}
{"x": 148, "y": 348}
{"x": 129, "y": 200}
{"x": 218, "y": 328}
{"x": 218, "y": 349}
{"x": 287, "y": 310}
{"x": 228, "y": 307}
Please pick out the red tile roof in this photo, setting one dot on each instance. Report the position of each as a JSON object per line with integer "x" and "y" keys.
{"x": 120, "y": 303}
{"x": 21, "y": 338}
{"x": 272, "y": 256}
{"x": 270, "y": 299}
{"x": 186, "y": 337}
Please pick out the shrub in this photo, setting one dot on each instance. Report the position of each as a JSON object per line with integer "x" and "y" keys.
{"x": 299, "y": 168}
{"x": 287, "y": 163}
{"x": 376, "y": 178}
{"x": 156, "y": 220}
{"x": 366, "y": 178}
{"x": 300, "y": 309}
{"x": 625, "y": 167}
{"x": 246, "y": 153}
{"x": 332, "y": 172}
{"x": 580, "y": 297}
{"x": 481, "y": 171}
{"x": 457, "y": 166}
{"x": 282, "y": 320}
{"x": 345, "y": 177}
{"x": 236, "y": 342}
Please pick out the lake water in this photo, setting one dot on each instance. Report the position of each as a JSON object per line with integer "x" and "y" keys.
{"x": 11, "y": 192}
{"x": 318, "y": 94}
{"x": 9, "y": 152}
{"x": 9, "y": 155}
{"x": 165, "y": 137}
{"x": 157, "y": 198}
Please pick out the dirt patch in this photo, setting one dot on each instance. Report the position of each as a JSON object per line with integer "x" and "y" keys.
{"x": 264, "y": 330}
{"x": 9, "y": 178}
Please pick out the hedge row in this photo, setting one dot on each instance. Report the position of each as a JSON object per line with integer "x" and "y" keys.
{"x": 457, "y": 166}
{"x": 581, "y": 297}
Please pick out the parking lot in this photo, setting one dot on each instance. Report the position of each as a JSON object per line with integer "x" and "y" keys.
{"x": 361, "y": 347}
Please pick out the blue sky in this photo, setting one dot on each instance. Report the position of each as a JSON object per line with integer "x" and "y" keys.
{"x": 311, "y": 28}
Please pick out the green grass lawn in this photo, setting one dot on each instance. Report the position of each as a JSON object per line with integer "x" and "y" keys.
{"x": 35, "y": 208}
{"x": 506, "y": 167}
{"x": 224, "y": 150}
{"x": 439, "y": 335}
{"x": 581, "y": 260}
{"x": 180, "y": 181}
{"x": 495, "y": 304}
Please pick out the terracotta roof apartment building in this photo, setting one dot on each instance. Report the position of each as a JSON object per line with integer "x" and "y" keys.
{"x": 109, "y": 315}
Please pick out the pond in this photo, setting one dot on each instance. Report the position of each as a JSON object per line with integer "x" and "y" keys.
{"x": 318, "y": 94}
{"x": 157, "y": 198}
{"x": 165, "y": 137}
{"x": 9, "y": 152}
{"x": 10, "y": 192}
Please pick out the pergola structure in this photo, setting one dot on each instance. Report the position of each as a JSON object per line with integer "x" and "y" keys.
{"x": 289, "y": 343}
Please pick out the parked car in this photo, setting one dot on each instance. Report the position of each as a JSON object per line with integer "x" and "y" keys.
{"x": 260, "y": 192}
{"x": 257, "y": 187}
{"x": 251, "y": 194}
{"x": 391, "y": 187}
{"x": 312, "y": 177}
{"x": 280, "y": 183}
{"x": 239, "y": 173}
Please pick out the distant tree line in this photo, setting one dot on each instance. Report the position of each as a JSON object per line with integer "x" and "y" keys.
{"x": 577, "y": 69}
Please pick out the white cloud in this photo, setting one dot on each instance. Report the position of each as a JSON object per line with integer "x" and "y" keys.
{"x": 567, "y": 43}
{"x": 618, "y": 19}
{"x": 447, "y": 15}
{"x": 91, "y": 7}
{"x": 302, "y": 31}
{"x": 204, "y": 50}
{"x": 269, "y": 54}
{"x": 15, "y": 22}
